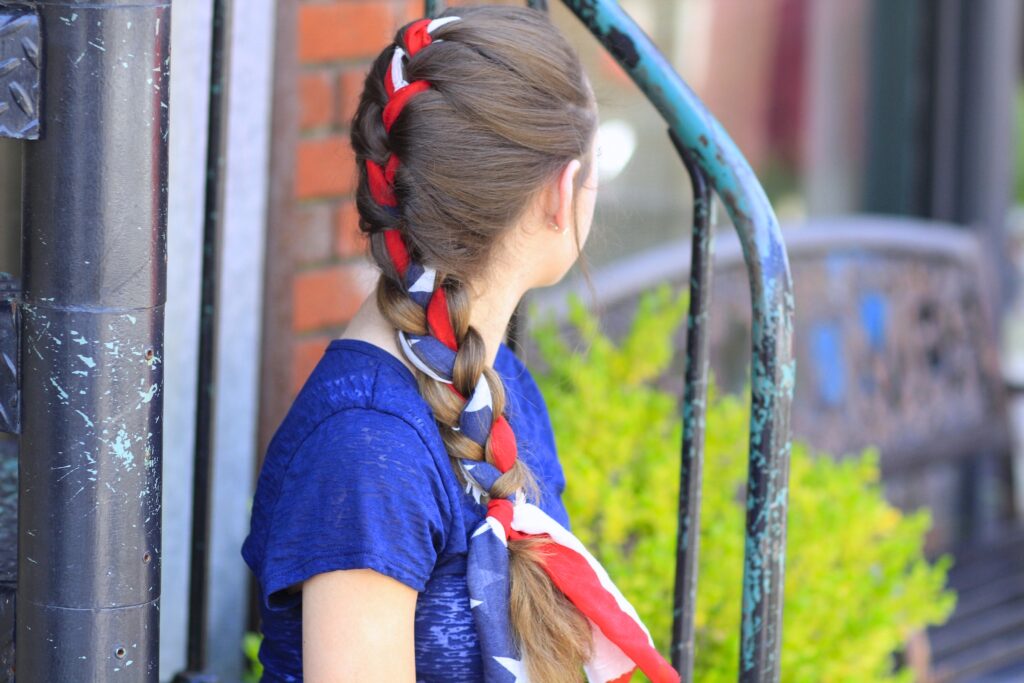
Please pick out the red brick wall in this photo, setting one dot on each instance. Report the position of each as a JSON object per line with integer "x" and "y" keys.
{"x": 317, "y": 273}
{"x": 336, "y": 42}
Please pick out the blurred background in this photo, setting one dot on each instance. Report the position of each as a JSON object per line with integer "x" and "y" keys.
{"x": 888, "y": 134}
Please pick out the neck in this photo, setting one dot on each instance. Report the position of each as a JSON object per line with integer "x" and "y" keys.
{"x": 491, "y": 310}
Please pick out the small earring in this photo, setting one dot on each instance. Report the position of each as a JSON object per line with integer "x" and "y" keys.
{"x": 554, "y": 226}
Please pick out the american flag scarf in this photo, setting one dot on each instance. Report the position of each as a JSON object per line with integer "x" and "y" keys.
{"x": 621, "y": 641}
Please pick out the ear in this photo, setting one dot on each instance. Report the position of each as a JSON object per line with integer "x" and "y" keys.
{"x": 563, "y": 200}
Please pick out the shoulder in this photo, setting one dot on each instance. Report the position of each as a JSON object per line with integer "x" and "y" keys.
{"x": 352, "y": 454}
{"x": 357, "y": 441}
{"x": 359, "y": 413}
{"x": 354, "y": 372}
{"x": 361, "y": 489}
{"x": 361, "y": 432}
{"x": 357, "y": 385}
{"x": 370, "y": 456}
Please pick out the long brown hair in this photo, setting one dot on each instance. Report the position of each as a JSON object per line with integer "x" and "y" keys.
{"x": 509, "y": 107}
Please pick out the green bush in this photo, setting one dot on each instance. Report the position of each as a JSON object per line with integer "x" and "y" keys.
{"x": 251, "y": 648}
{"x": 857, "y": 582}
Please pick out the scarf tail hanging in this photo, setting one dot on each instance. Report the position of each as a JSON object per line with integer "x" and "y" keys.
{"x": 621, "y": 641}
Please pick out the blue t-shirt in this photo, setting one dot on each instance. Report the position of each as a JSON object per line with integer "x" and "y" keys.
{"x": 357, "y": 476}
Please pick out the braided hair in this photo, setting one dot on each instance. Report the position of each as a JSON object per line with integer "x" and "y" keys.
{"x": 460, "y": 123}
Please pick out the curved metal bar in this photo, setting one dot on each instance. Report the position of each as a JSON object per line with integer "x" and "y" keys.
{"x": 694, "y": 402}
{"x": 773, "y": 368}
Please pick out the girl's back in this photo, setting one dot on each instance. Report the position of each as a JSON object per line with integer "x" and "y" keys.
{"x": 357, "y": 476}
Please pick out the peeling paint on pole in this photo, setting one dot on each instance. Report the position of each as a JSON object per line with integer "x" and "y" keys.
{"x": 95, "y": 218}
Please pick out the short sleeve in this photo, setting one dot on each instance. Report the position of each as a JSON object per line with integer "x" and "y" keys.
{"x": 362, "y": 491}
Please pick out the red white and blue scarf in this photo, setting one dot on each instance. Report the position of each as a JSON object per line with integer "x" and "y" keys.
{"x": 621, "y": 641}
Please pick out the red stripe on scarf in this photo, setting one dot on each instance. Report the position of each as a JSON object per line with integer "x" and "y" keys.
{"x": 574, "y": 576}
{"x": 396, "y": 250}
{"x": 382, "y": 180}
{"x": 504, "y": 450}
{"x": 398, "y": 101}
{"x": 416, "y": 37}
{"x": 439, "y": 321}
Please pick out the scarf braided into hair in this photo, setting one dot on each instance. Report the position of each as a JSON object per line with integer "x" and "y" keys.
{"x": 621, "y": 642}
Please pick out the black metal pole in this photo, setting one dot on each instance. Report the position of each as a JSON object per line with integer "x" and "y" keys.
{"x": 216, "y": 149}
{"x": 94, "y": 273}
{"x": 694, "y": 411}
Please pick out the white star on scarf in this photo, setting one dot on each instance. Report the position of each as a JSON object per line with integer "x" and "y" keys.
{"x": 492, "y": 525}
{"x": 515, "y": 667}
{"x": 472, "y": 487}
{"x": 474, "y": 490}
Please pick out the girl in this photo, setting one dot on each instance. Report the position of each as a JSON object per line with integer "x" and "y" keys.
{"x": 407, "y": 524}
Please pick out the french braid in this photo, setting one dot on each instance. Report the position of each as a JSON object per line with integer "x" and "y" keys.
{"x": 433, "y": 309}
{"x": 458, "y": 125}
